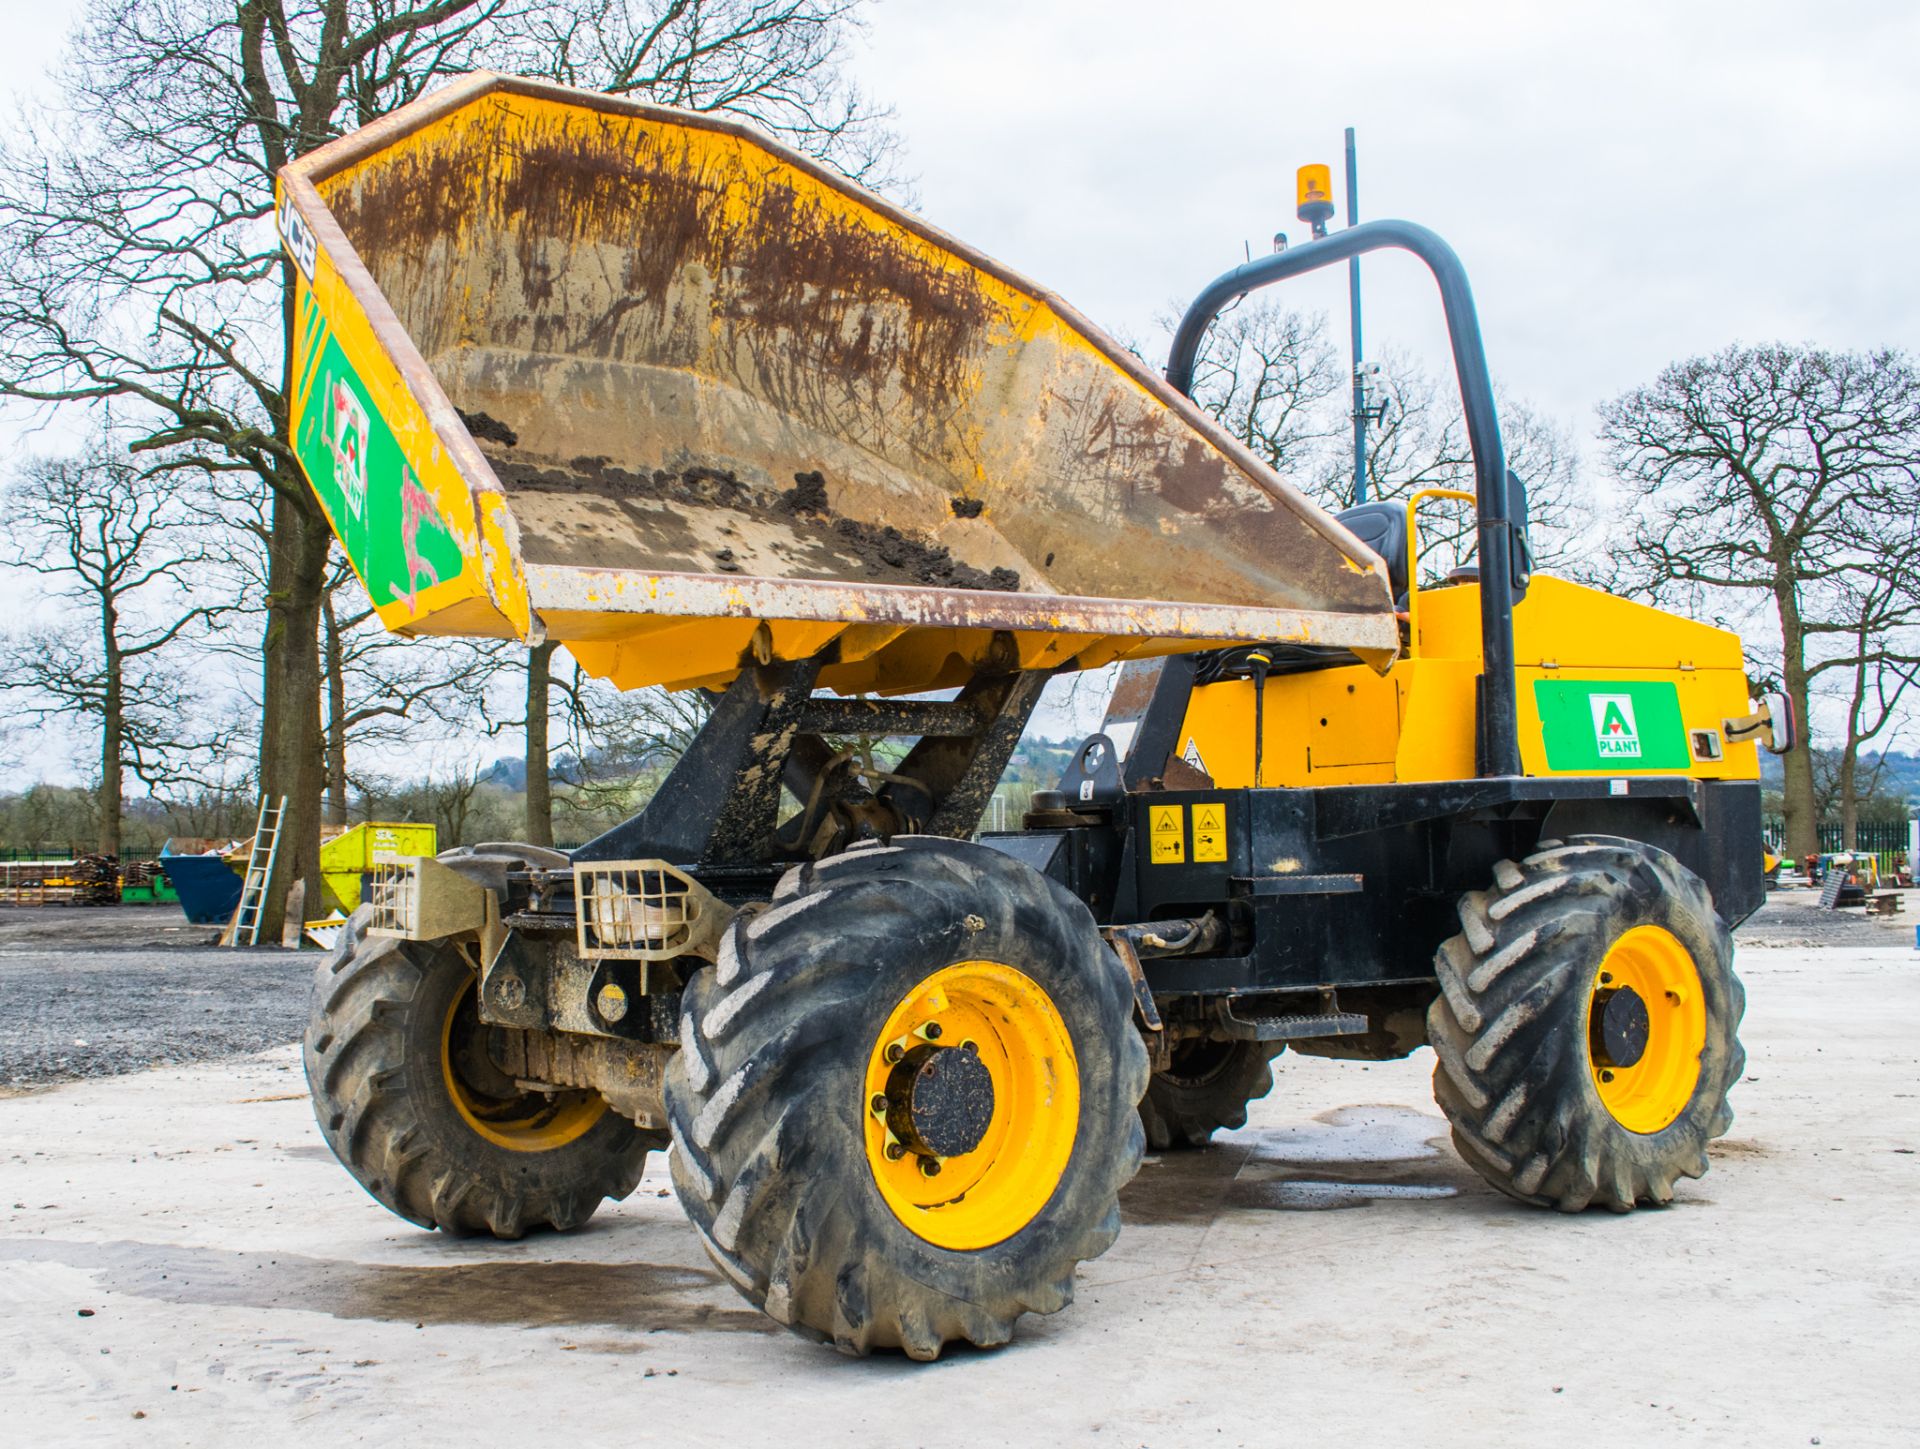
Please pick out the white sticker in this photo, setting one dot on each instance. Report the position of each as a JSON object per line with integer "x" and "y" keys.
{"x": 1086, "y": 789}
{"x": 299, "y": 239}
{"x": 1616, "y": 787}
{"x": 1192, "y": 756}
{"x": 1616, "y": 733}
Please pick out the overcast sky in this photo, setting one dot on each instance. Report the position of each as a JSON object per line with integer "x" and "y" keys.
{"x": 1628, "y": 183}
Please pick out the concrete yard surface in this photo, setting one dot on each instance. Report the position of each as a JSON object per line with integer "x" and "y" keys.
{"x": 182, "y": 1262}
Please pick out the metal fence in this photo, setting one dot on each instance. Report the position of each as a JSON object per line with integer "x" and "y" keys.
{"x": 1882, "y": 838}
{"x": 67, "y": 850}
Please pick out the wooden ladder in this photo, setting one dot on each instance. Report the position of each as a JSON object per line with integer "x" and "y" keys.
{"x": 253, "y": 887}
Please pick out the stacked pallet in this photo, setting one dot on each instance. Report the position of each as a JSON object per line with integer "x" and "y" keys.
{"x": 82, "y": 880}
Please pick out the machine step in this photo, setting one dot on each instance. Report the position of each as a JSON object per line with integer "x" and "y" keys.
{"x": 1293, "y": 1027}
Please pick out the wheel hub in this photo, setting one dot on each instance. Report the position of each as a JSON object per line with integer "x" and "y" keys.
{"x": 1620, "y": 1027}
{"x": 940, "y": 1100}
{"x": 972, "y": 1103}
{"x": 1646, "y": 1029}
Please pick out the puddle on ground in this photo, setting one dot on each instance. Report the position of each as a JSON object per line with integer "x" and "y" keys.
{"x": 639, "y": 1297}
{"x": 1346, "y": 1157}
{"x": 1303, "y": 1196}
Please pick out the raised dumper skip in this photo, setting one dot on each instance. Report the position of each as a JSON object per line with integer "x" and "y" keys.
{"x": 643, "y": 382}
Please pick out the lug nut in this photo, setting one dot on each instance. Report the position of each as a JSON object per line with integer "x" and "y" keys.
{"x": 1606, "y": 1076}
{"x": 895, "y": 1051}
{"x": 895, "y": 1152}
{"x": 929, "y": 1167}
{"x": 1605, "y": 977}
{"x": 933, "y": 1031}
{"x": 970, "y": 1045}
{"x": 879, "y": 1104}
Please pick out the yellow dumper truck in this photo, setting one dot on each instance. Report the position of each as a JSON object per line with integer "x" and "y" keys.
{"x": 574, "y": 368}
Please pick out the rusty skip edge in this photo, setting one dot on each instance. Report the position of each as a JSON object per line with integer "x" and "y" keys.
{"x": 634, "y": 591}
{"x": 302, "y": 176}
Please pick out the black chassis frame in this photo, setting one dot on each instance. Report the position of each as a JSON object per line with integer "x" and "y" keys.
{"x": 1349, "y": 886}
{"x": 1331, "y": 900}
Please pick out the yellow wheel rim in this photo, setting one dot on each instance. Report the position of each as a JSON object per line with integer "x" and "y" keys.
{"x": 491, "y": 1105}
{"x": 984, "y": 1195}
{"x": 1646, "y": 971}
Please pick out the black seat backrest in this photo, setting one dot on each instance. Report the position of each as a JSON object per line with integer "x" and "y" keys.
{"x": 1382, "y": 527}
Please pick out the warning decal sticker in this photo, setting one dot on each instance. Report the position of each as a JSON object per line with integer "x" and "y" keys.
{"x": 1209, "y": 832}
{"x": 1166, "y": 834}
{"x": 1192, "y": 756}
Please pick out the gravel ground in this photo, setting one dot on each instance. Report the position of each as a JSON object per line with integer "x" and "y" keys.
{"x": 1792, "y": 918}
{"x": 93, "y": 992}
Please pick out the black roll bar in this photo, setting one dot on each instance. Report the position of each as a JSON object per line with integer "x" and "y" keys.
{"x": 1498, "y": 745}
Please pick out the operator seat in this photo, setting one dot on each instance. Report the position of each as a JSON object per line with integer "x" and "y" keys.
{"x": 1382, "y": 527}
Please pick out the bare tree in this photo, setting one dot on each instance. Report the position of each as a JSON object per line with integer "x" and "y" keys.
{"x": 1420, "y": 441}
{"x": 538, "y": 722}
{"x": 608, "y": 736}
{"x": 1274, "y": 380}
{"x": 113, "y": 541}
{"x": 1870, "y": 675}
{"x": 379, "y": 686}
{"x": 449, "y": 794}
{"x": 1776, "y": 473}
{"x": 1271, "y": 379}
{"x": 138, "y": 262}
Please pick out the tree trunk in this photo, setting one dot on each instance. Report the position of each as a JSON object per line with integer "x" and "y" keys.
{"x": 112, "y": 730}
{"x": 1802, "y": 830}
{"x": 291, "y": 756}
{"x": 1849, "y": 792}
{"x": 336, "y": 717}
{"x": 539, "y": 764}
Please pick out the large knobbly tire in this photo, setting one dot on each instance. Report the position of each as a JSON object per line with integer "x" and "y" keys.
{"x": 375, "y": 1051}
{"x": 1205, "y": 1088}
{"x": 768, "y": 1096}
{"x": 1519, "y": 1075}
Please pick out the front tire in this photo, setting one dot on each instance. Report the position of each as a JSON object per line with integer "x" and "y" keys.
{"x": 797, "y": 1140}
{"x": 413, "y": 1107}
{"x": 1587, "y": 1026}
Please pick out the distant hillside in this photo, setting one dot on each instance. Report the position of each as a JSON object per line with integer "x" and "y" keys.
{"x": 1901, "y": 776}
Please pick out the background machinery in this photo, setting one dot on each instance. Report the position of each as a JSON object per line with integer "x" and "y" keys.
{"x": 569, "y": 367}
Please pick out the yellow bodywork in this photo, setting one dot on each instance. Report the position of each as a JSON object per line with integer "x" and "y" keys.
{"x": 646, "y": 383}
{"x": 1352, "y": 726}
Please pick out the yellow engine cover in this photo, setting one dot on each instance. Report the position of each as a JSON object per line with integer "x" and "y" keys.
{"x": 1606, "y": 687}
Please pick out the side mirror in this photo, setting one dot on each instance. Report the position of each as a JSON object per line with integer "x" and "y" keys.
{"x": 1774, "y": 725}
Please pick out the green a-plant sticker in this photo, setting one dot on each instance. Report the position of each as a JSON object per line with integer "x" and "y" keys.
{"x": 1611, "y": 724}
{"x": 1615, "y": 734}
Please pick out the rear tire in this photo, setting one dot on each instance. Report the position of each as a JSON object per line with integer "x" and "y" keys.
{"x": 1205, "y": 1089}
{"x": 1538, "y": 1106}
{"x": 412, "y": 1112}
{"x": 772, "y": 1104}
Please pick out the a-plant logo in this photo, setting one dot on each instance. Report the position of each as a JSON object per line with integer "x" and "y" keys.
{"x": 1615, "y": 733}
